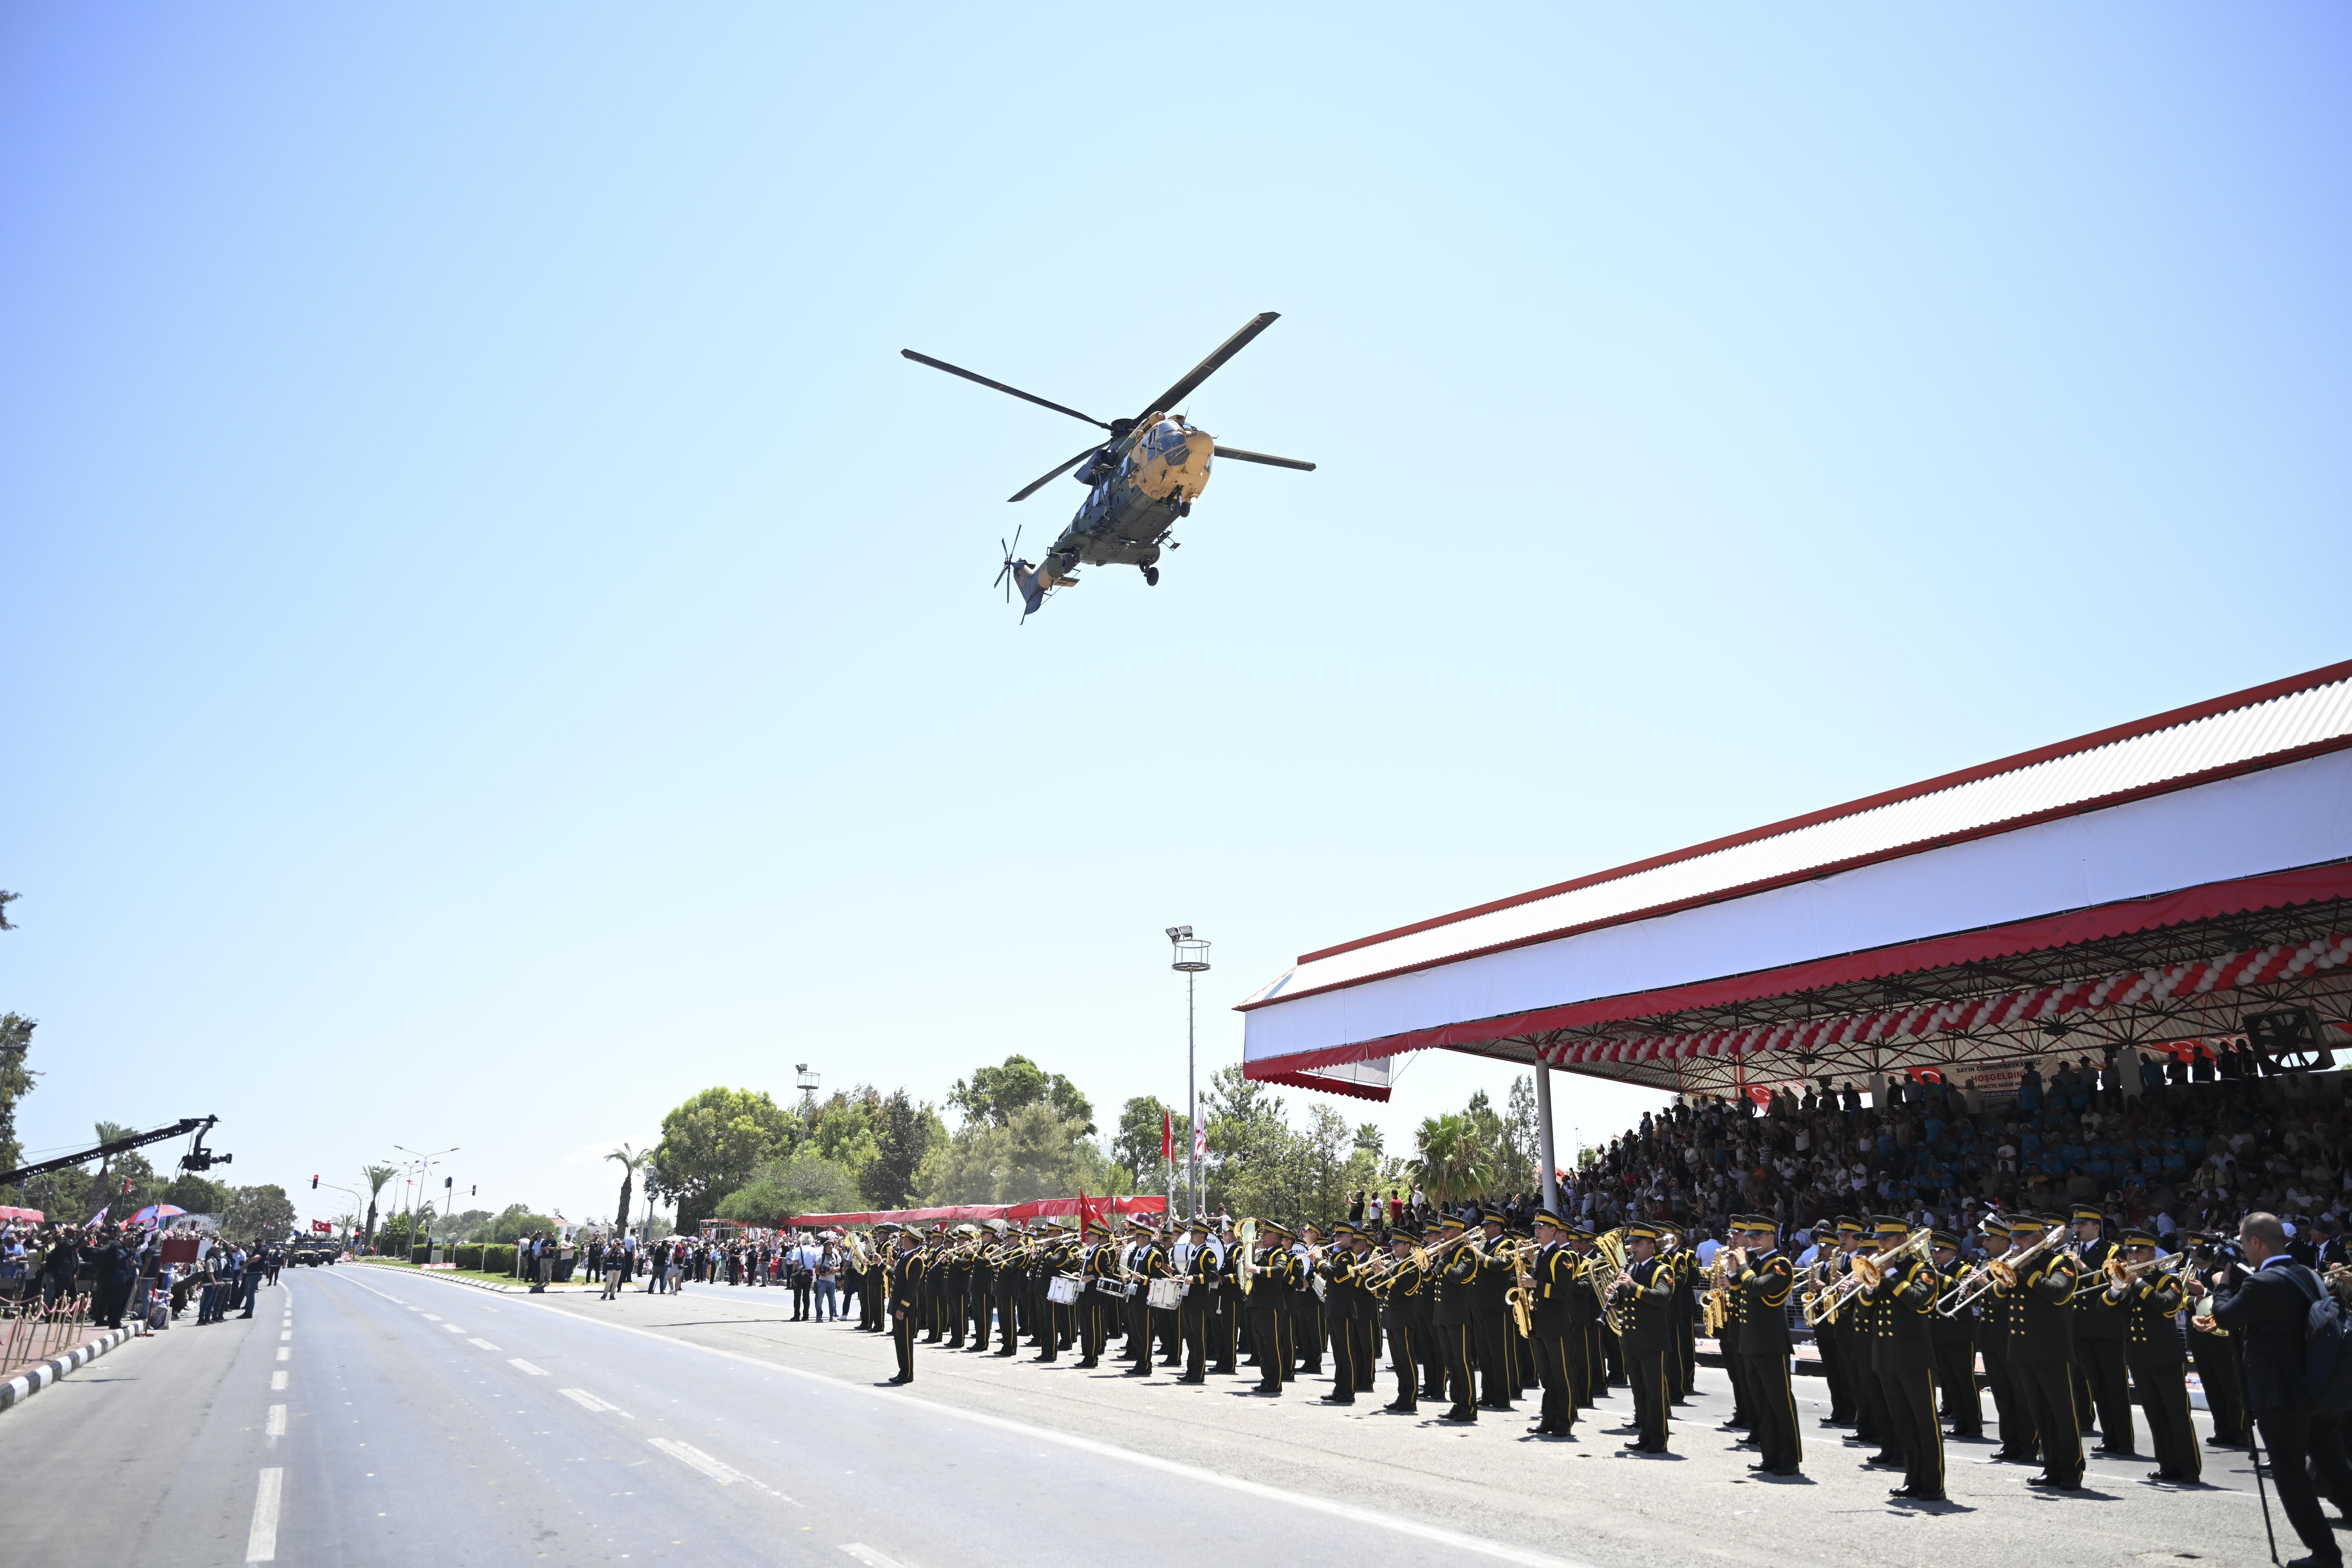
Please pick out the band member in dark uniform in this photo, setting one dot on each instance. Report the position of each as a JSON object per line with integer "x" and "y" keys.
{"x": 1906, "y": 1294}
{"x": 2215, "y": 1349}
{"x": 1586, "y": 1323}
{"x": 1148, "y": 1262}
{"x": 1647, "y": 1288}
{"x": 1994, "y": 1311}
{"x": 1399, "y": 1296}
{"x": 2099, "y": 1339}
{"x": 2042, "y": 1353}
{"x": 1453, "y": 1278}
{"x": 1193, "y": 1312}
{"x": 1274, "y": 1275}
{"x": 1954, "y": 1339}
{"x": 1490, "y": 1315}
{"x": 2151, "y": 1300}
{"x": 1550, "y": 1283}
{"x": 1339, "y": 1269}
{"x": 901, "y": 1276}
{"x": 1762, "y": 1279}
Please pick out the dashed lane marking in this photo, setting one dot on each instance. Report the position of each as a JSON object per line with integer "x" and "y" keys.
{"x": 284, "y": 1353}
{"x": 716, "y": 1469}
{"x": 588, "y": 1401}
{"x": 277, "y": 1382}
{"x": 486, "y": 1344}
{"x": 277, "y": 1425}
{"x": 262, "y": 1540}
{"x": 867, "y": 1555}
{"x": 519, "y": 1365}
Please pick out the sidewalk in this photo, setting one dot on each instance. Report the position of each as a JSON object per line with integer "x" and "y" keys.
{"x": 21, "y": 1381}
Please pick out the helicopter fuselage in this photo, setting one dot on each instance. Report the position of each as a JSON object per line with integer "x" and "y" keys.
{"x": 1137, "y": 488}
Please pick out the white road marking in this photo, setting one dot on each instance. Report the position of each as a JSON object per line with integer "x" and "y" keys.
{"x": 519, "y": 1365}
{"x": 486, "y": 1344}
{"x": 867, "y": 1555}
{"x": 262, "y": 1540}
{"x": 588, "y": 1401}
{"x": 453, "y": 1328}
{"x": 284, "y": 1334}
{"x": 718, "y": 1470}
{"x": 277, "y": 1382}
{"x": 1373, "y": 1518}
{"x": 276, "y": 1426}
{"x": 284, "y": 1353}
{"x": 429, "y": 1317}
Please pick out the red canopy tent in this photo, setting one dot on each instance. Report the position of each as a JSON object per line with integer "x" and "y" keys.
{"x": 1040, "y": 1209}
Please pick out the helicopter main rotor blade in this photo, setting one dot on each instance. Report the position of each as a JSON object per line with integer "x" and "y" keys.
{"x": 1048, "y": 477}
{"x": 1000, "y": 386}
{"x": 1267, "y": 458}
{"x": 1168, "y": 400}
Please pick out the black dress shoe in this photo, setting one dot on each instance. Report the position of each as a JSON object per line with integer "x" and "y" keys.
{"x": 1191, "y": 1379}
{"x": 1731, "y": 1425}
{"x": 2226, "y": 1440}
{"x": 1896, "y": 1460}
{"x": 2105, "y": 1452}
{"x": 1463, "y": 1414}
{"x": 902, "y": 1380}
{"x": 1786, "y": 1471}
{"x": 2048, "y": 1482}
{"x": 1339, "y": 1399}
{"x": 1759, "y": 1465}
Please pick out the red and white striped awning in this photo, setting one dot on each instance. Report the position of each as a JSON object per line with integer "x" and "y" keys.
{"x": 2259, "y": 966}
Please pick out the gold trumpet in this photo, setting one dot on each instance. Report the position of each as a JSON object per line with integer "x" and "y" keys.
{"x": 1864, "y": 1275}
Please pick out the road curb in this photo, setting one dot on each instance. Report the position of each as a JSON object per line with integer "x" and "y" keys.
{"x": 25, "y": 1384}
{"x": 412, "y": 1272}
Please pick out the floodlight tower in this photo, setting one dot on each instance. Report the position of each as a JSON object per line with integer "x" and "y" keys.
{"x": 1192, "y": 959}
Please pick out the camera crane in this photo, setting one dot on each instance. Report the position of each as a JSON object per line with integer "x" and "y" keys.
{"x": 197, "y": 1158}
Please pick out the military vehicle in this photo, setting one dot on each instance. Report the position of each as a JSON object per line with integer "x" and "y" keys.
{"x": 1138, "y": 482}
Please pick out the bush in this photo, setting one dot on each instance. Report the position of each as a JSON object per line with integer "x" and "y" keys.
{"x": 495, "y": 1259}
{"x": 469, "y": 1255}
{"x": 419, "y": 1254}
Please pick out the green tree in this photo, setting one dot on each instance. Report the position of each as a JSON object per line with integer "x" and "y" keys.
{"x": 1254, "y": 1156}
{"x": 514, "y": 1222}
{"x": 843, "y": 1129}
{"x": 631, "y": 1161}
{"x": 712, "y": 1144}
{"x": 466, "y": 1227}
{"x": 16, "y": 1080}
{"x": 1036, "y": 1153}
{"x": 993, "y": 1094}
{"x": 806, "y": 1183}
{"x": 197, "y": 1195}
{"x": 259, "y": 1211}
{"x": 376, "y": 1176}
{"x": 905, "y": 1133}
{"x": 1453, "y": 1162}
{"x": 1136, "y": 1147}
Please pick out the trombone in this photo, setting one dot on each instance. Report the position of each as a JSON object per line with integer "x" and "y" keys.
{"x": 1864, "y": 1275}
{"x": 2002, "y": 1272}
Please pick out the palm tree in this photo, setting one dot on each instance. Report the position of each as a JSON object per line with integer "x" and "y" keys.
{"x": 631, "y": 1162}
{"x": 376, "y": 1176}
{"x": 1453, "y": 1162}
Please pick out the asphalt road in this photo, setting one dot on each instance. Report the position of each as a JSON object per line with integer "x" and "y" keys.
{"x": 368, "y": 1415}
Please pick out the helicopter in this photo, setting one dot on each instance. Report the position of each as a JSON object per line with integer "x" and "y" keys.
{"x": 1138, "y": 482}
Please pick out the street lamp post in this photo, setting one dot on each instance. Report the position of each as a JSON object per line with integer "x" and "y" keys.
{"x": 1192, "y": 959}
{"x": 424, "y": 1169}
{"x": 807, "y": 1084}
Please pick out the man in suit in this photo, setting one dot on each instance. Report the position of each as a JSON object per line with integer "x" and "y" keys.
{"x": 2266, "y": 1310}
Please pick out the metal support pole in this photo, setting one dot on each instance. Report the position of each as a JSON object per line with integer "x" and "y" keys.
{"x": 1191, "y": 1110}
{"x": 1543, "y": 1136}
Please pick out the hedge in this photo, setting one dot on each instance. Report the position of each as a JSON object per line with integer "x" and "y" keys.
{"x": 420, "y": 1254}
{"x": 499, "y": 1258}
{"x": 469, "y": 1255}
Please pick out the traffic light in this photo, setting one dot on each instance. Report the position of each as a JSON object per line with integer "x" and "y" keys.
{"x": 314, "y": 1183}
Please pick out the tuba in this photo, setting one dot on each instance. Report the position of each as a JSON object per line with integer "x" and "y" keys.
{"x": 1600, "y": 1275}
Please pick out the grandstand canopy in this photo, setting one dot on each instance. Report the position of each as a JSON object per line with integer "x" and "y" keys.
{"x": 2155, "y": 884}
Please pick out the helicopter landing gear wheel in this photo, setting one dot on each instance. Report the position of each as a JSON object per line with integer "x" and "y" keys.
{"x": 1151, "y": 576}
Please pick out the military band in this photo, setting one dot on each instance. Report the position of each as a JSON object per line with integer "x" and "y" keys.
{"x": 2057, "y": 1313}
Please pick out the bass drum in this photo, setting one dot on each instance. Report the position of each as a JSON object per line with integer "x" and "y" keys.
{"x": 1064, "y": 1290}
{"x": 1167, "y": 1294}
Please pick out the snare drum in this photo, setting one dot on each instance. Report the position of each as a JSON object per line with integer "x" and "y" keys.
{"x": 1165, "y": 1294}
{"x": 1064, "y": 1290}
{"x": 1116, "y": 1289}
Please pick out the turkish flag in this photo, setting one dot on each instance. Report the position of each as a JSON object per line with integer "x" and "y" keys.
{"x": 321, "y": 1227}
{"x": 1167, "y": 1139}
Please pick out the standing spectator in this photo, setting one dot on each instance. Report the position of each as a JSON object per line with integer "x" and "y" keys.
{"x": 828, "y": 1271}
{"x": 2267, "y": 1309}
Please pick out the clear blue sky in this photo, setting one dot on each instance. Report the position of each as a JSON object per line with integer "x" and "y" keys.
{"x": 498, "y": 638}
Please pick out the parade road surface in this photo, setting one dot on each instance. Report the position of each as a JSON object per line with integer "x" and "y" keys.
{"x": 374, "y": 1415}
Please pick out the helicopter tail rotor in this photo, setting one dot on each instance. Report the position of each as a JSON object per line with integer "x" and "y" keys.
{"x": 1018, "y": 573}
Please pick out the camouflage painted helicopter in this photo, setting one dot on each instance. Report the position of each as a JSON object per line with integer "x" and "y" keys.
{"x": 1138, "y": 482}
